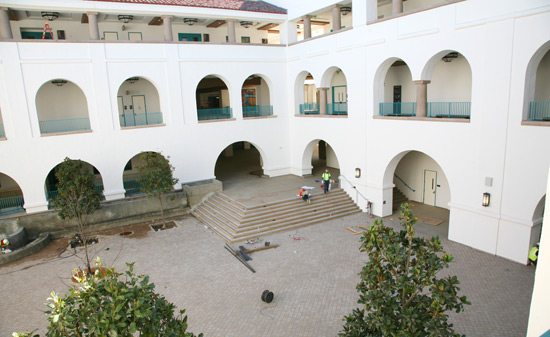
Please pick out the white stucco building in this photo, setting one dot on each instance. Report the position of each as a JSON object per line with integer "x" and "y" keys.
{"x": 445, "y": 100}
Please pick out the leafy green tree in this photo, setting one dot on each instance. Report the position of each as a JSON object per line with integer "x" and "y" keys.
{"x": 113, "y": 304}
{"x": 399, "y": 291}
{"x": 77, "y": 197}
{"x": 156, "y": 176}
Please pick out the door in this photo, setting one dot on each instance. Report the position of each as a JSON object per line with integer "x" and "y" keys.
{"x": 430, "y": 187}
{"x": 396, "y": 99}
{"x": 139, "y": 109}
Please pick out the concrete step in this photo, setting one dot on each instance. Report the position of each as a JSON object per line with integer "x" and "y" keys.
{"x": 236, "y": 222}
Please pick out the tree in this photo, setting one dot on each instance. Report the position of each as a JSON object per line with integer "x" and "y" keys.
{"x": 399, "y": 291}
{"x": 156, "y": 176}
{"x": 77, "y": 197}
{"x": 113, "y": 304}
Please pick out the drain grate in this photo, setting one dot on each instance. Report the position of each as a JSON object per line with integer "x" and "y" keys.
{"x": 161, "y": 227}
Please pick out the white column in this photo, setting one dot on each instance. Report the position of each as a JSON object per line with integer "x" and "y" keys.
{"x": 397, "y": 7}
{"x": 93, "y": 26}
{"x": 167, "y": 23}
{"x": 421, "y": 97}
{"x": 323, "y": 101}
{"x": 231, "y": 31}
{"x": 336, "y": 18}
{"x": 307, "y": 27}
{"x": 5, "y": 27}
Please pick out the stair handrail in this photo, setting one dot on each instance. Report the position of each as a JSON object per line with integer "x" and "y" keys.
{"x": 410, "y": 188}
{"x": 369, "y": 204}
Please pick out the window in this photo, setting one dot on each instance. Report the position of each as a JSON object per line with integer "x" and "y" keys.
{"x": 245, "y": 39}
{"x": 61, "y": 35}
{"x": 35, "y": 34}
{"x": 134, "y": 36}
{"x": 189, "y": 37}
{"x": 206, "y": 37}
{"x": 110, "y": 36}
{"x": 264, "y": 41}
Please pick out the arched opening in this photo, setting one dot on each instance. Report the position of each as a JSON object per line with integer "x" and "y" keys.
{"x": 138, "y": 103}
{"x": 418, "y": 179}
{"x": 239, "y": 166}
{"x": 538, "y": 216}
{"x": 2, "y": 132}
{"x": 307, "y": 94}
{"x": 337, "y": 95}
{"x": 537, "y": 91}
{"x": 61, "y": 107}
{"x": 11, "y": 196}
{"x": 213, "y": 99}
{"x": 131, "y": 176}
{"x": 398, "y": 97}
{"x": 50, "y": 185}
{"x": 319, "y": 156}
{"x": 450, "y": 90}
{"x": 256, "y": 97}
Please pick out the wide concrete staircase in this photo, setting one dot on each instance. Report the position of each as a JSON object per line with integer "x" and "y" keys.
{"x": 236, "y": 222}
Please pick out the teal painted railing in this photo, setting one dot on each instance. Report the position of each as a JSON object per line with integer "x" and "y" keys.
{"x": 54, "y": 193}
{"x": 132, "y": 187}
{"x": 64, "y": 125}
{"x": 398, "y": 109}
{"x": 257, "y": 110}
{"x": 218, "y": 113}
{"x": 309, "y": 109}
{"x": 401, "y": 180}
{"x": 539, "y": 111}
{"x": 2, "y": 133}
{"x": 337, "y": 108}
{"x": 11, "y": 205}
{"x": 138, "y": 119}
{"x": 449, "y": 109}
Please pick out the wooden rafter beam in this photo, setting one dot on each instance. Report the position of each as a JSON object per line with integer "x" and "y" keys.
{"x": 156, "y": 21}
{"x": 84, "y": 18}
{"x": 12, "y": 15}
{"x": 268, "y": 26}
{"x": 216, "y": 24}
{"x": 316, "y": 22}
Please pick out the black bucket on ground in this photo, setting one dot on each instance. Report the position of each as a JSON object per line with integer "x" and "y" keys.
{"x": 267, "y": 296}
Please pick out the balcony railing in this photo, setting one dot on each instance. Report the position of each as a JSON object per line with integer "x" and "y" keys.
{"x": 218, "y": 113}
{"x": 51, "y": 195}
{"x": 11, "y": 205}
{"x": 138, "y": 119}
{"x": 539, "y": 111}
{"x": 64, "y": 125}
{"x": 2, "y": 133}
{"x": 257, "y": 110}
{"x": 309, "y": 109}
{"x": 132, "y": 187}
{"x": 337, "y": 108}
{"x": 398, "y": 109}
{"x": 449, "y": 109}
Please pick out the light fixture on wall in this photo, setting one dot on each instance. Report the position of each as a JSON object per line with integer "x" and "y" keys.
{"x": 59, "y": 82}
{"x": 357, "y": 172}
{"x": 133, "y": 80}
{"x": 486, "y": 199}
{"x": 190, "y": 21}
{"x": 246, "y": 24}
{"x": 125, "y": 18}
{"x": 449, "y": 57}
{"x": 50, "y": 15}
{"x": 345, "y": 10}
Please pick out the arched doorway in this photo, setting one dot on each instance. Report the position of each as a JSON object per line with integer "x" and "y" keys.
{"x": 62, "y": 107}
{"x": 213, "y": 99}
{"x": 320, "y": 156}
{"x": 337, "y": 93}
{"x": 138, "y": 103}
{"x": 11, "y": 196}
{"x": 50, "y": 185}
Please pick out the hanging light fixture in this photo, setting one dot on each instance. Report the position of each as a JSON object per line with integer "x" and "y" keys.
{"x": 59, "y": 82}
{"x": 50, "y": 16}
{"x": 449, "y": 57}
{"x": 133, "y": 80}
{"x": 190, "y": 21}
{"x": 246, "y": 24}
{"x": 486, "y": 199}
{"x": 345, "y": 10}
{"x": 125, "y": 18}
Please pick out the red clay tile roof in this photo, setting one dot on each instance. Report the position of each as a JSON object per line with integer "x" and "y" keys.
{"x": 240, "y": 5}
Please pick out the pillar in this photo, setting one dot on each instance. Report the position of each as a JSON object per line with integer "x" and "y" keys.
{"x": 5, "y": 27}
{"x": 93, "y": 26}
{"x": 336, "y": 18}
{"x": 167, "y": 23}
{"x": 231, "y": 31}
{"x": 307, "y": 27}
{"x": 228, "y": 152}
{"x": 288, "y": 32}
{"x": 323, "y": 101}
{"x": 397, "y": 7}
{"x": 421, "y": 97}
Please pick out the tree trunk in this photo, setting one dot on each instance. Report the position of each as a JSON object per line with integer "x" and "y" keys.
{"x": 161, "y": 210}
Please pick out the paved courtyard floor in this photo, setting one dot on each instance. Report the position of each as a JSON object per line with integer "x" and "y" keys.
{"x": 312, "y": 274}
